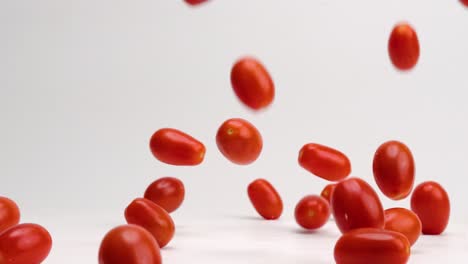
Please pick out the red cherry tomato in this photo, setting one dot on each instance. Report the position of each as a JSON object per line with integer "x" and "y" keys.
{"x": 464, "y": 2}
{"x": 431, "y": 203}
{"x": 356, "y": 205}
{"x": 239, "y": 141}
{"x": 403, "y": 221}
{"x": 9, "y": 213}
{"x": 325, "y": 162}
{"x": 327, "y": 192}
{"x": 153, "y": 218}
{"x": 24, "y": 244}
{"x": 174, "y": 147}
{"x": 403, "y": 46}
{"x": 372, "y": 245}
{"x": 265, "y": 199}
{"x": 195, "y": 2}
{"x": 167, "y": 192}
{"x": 393, "y": 168}
{"x": 129, "y": 244}
{"x": 252, "y": 83}
{"x": 312, "y": 212}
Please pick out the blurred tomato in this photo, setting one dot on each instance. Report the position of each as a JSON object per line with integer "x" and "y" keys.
{"x": 403, "y": 46}
{"x": 465, "y": 2}
{"x": 153, "y": 218}
{"x": 325, "y": 162}
{"x": 195, "y": 2}
{"x": 129, "y": 244}
{"x": 9, "y": 213}
{"x": 356, "y": 205}
{"x": 403, "y": 221}
{"x": 167, "y": 192}
{"x": 312, "y": 212}
{"x": 265, "y": 199}
{"x": 432, "y": 205}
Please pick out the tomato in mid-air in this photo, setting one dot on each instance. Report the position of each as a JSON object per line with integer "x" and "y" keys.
{"x": 312, "y": 212}
{"x": 153, "y": 218}
{"x": 393, "y": 168}
{"x": 403, "y": 221}
{"x": 403, "y": 46}
{"x": 239, "y": 141}
{"x": 195, "y": 2}
{"x": 252, "y": 83}
{"x": 325, "y": 162}
{"x": 464, "y": 2}
{"x": 175, "y": 147}
{"x": 265, "y": 199}
{"x": 129, "y": 244}
{"x": 356, "y": 205}
{"x": 167, "y": 192}
{"x": 431, "y": 203}
{"x": 24, "y": 244}
{"x": 327, "y": 192}
{"x": 372, "y": 245}
{"x": 9, "y": 213}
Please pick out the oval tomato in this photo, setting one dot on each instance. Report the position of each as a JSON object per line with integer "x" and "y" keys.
{"x": 265, "y": 199}
{"x": 393, "y": 169}
{"x": 327, "y": 192}
{"x": 372, "y": 245}
{"x": 403, "y": 221}
{"x": 239, "y": 141}
{"x": 195, "y": 2}
{"x": 9, "y": 213}
{"x": 356, "y": 205}
{"x": 153, "y": 218}
{"x": 403, "y": 46}
{"x": 432, "y": 205}
{"x": 24, "y": 244}
{"x": 252, "y": 83}
{"x": 325, "y": 162}
{"x": 312, "y": 212}
{"x": 174, "y": 147}
{"x": 167, "y": 192}
{"x": 129, "y": 244}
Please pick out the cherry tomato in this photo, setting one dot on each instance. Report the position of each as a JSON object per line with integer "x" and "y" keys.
{"x": 325, "y": 162}
{"x": 153, "y": 218}
{"x": 167, "y": 192}
{"x": 431, "y": 203}
{"x": 252, "y": 83}
{"x": 195, "y": 2}
{"x": 239, "y": 141}
{"x": 312, "y": 212}
{"x": 465, "y": 2}
{"x": 327, "y": 192}
{"x": 9, "y": 213}
{"x": 174, "y": 147}
{"x": 403, "y": 221}
{"x": 393, "y": 168}
{"x": 24, "y": 244}
{"x": 129, "y": 244}
{"x": 356, "y": 205}
{"x": 265, "y": 199}
{"x": 403, "y": 47}
{"x": 372, "y": 245}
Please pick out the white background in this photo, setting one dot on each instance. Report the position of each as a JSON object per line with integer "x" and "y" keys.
{"x": 84, "y": 84}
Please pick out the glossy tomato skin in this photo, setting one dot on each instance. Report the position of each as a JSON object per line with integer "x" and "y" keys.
{"x": 403, "y": 46}
{"x": 9, "y": 213}
{"x": 167, "y": 192}
{"x": 265, "y": 199}
{"x": 431, "y": 203}
{"x": 325, "y": 162}
{"x": 312, "y": 212}
{"x": 393, "y": 168}
{"x": 239, "y": 141}
{"x": 195, "y": 2}
{"x": 175, "y": 147}
{"x": 25, "y": 244}
{"x": 153, "y": 218}
{"x": 403, "y": 221}
{"x": 356, "y": 205}
{"x": 328, "y": 191}
{"x": 129, "y": 244}
{"x": 372, "y": 245}
{"x": 252, "y": 83}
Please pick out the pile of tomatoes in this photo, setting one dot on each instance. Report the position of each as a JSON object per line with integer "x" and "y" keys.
{"x": 370, "y": 234}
